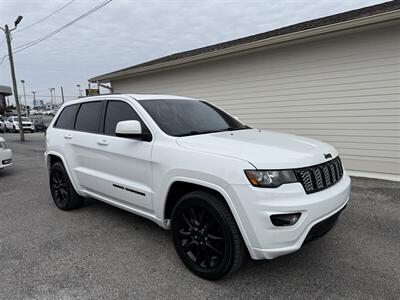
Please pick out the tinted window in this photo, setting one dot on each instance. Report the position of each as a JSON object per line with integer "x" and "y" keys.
{"x": 119, "y": 111}
{"x": 88, "y": 117}
{"x": 67, "y": 117}
{"x": 189, "y": 117}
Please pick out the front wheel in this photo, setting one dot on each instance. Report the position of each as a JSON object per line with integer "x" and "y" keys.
{"x": 62, "y": 191}
{"x": 206, "y": 236}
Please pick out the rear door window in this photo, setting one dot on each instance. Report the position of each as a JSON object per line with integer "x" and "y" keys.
{"x": 88, "y": 118}
{"x": 66, "y": 119}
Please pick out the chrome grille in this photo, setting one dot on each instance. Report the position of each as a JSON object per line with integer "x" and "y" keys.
{"x": 319, "y": 177}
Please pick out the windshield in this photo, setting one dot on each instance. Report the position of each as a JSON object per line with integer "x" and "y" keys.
{"x": 23, "y": 119}
{"x": 188, "y": 117}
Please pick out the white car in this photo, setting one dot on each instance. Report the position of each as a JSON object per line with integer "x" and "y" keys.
{"x": 224, "y": 189}
{"x": 5, "y": 154}
{"x": 13, "y": 125}
{"x": 50, "y": 112}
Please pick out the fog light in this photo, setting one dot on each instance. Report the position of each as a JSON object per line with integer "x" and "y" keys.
{"x": 6, "y": 161}
{"x": 285, "y": 219}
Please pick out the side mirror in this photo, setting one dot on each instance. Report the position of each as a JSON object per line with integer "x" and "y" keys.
{"x": 131, "y": 129}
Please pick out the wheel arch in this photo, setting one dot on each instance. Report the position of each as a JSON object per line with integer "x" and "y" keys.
{"x": 53, "y": 157}
{"x": 180, "y": 186}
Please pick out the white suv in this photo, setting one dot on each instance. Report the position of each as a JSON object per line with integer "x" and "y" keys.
{"x": 12, "y": 124}
{"x": 224, "y": 189}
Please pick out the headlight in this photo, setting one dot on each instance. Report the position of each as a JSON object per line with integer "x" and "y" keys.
{"x": 270, "y": 179}
{"x": 3, "y": 145}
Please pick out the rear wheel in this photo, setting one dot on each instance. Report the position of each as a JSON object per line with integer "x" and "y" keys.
{"x": 62, "y": 191}
{"x": 206, "y": 236}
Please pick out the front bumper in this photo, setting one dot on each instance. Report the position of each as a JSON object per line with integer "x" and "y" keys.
{"x": 5, "y": 158}
{"x": 256, "y": 205}
{"x": 26, "y": 128}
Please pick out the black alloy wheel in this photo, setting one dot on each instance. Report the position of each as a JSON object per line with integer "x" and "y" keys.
{"x": 62, "y": 191}
{"x": 206, "y": 236}
{"x": 201, "y": 237}
{"x": 59, "y": 188}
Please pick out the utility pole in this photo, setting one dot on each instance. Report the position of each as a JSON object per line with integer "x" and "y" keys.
{"x": 34, "y": 99}
{"x": 54, "y": 98}
{"x": 26, "y": 107}
{"x": 79, "y": 91}
{"x": 51, "y": 98}
{"x": 7, "y": 32}
{"x": 62, "y": 95}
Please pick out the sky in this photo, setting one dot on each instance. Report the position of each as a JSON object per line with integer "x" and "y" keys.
{"x": 124, "y": 33}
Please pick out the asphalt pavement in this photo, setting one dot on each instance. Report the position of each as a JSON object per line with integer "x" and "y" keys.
{"x": 102, "y": 252}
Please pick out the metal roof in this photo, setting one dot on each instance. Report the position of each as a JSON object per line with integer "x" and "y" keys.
{"x": 5, "y": 90}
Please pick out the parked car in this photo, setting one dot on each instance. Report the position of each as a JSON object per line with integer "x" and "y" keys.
{"x": 13, "y": 125}
{"x": 2, "y": 124}
{"x": 223, "y": 188}
{"x": 5, "y": 154}
{"x": 39, "y": 125}
{"x": 50, "y": 112}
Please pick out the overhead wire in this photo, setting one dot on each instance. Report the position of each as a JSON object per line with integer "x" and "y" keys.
{"x": 69, "y": 24}
{"x": 3, "y": 58}
{"x": 45, "y": 18}
{"x": 45, "y": 37}
{"x": 37, "y": 22}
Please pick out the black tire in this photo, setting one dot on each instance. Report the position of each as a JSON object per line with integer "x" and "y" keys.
{"x": 62, "y": 191}
{"x": 206, "y": 236}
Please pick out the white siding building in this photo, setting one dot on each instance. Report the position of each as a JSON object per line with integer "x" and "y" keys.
{"x": 336, "y": 79}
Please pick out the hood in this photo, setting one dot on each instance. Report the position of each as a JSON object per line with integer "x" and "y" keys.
{"x": 263, "y": 149}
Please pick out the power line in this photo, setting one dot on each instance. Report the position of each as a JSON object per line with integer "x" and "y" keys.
{"x": 45, "y": 37}
{"x": 2, "y": 59}
{"x": 45, "y": 18}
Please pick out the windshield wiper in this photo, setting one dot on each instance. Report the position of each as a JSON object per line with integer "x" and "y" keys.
{"x": 236, "y": 128}
{"x": 195, "y": 132}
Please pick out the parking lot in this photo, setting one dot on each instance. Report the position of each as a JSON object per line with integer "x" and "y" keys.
{"x": 100, "y": 251}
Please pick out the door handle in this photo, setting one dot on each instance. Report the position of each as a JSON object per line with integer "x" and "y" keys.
{"x": 68, "y": 136}
{"x": 102, "y": 142}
